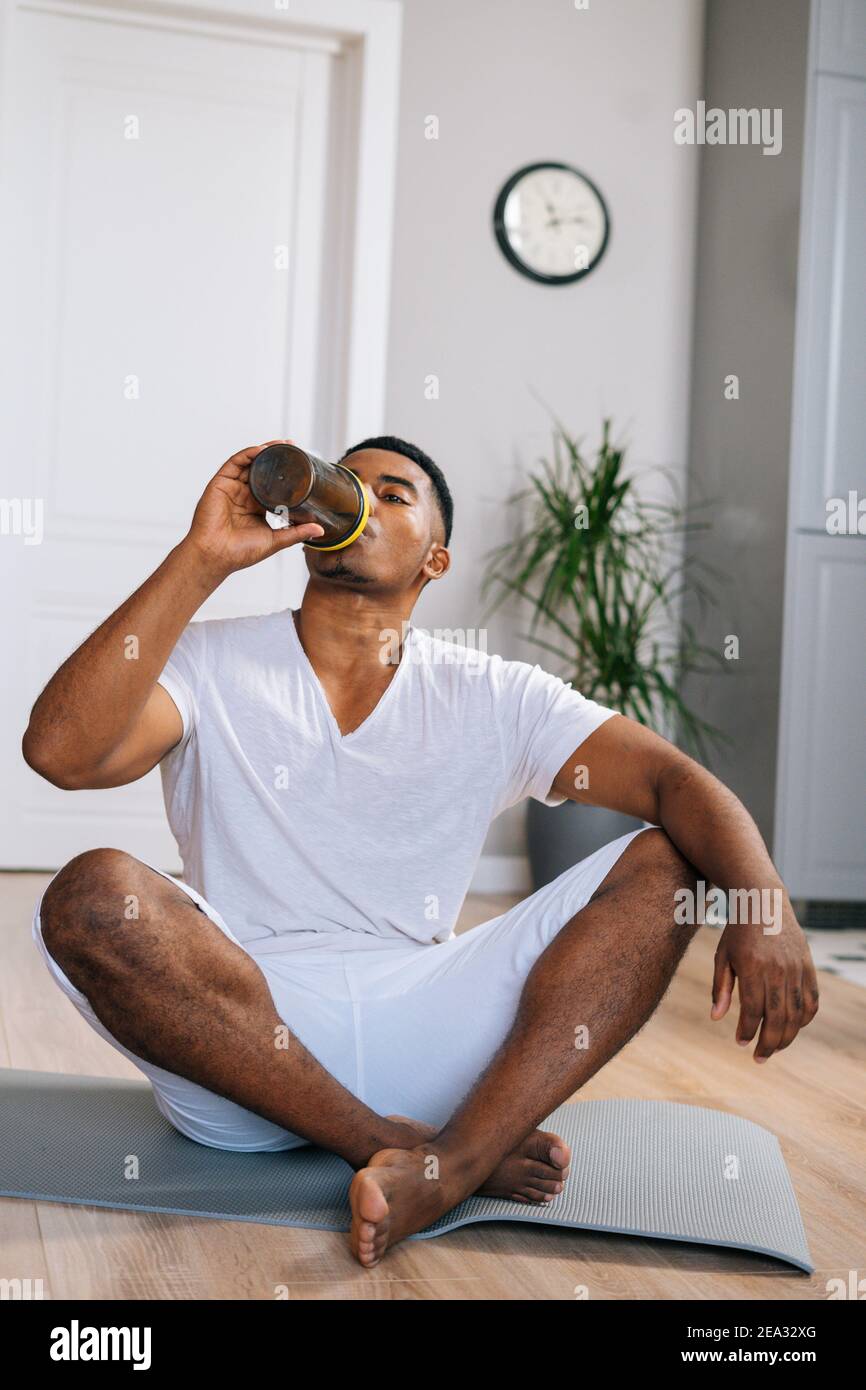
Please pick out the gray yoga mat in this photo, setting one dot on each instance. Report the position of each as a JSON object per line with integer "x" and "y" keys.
{"x": 639, "y": 1167}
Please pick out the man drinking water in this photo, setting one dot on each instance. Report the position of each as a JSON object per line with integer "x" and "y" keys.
{"x": 303, "y": 984}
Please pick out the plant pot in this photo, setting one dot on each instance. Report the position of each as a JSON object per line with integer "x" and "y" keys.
{"x": 560, "y": 836}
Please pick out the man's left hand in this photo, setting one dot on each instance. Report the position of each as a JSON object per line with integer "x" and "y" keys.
{"x": 777, "y": 978}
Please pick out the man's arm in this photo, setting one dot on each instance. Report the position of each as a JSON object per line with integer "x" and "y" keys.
{"x": 102, "y": 720}
{"x": 631, "y": 769}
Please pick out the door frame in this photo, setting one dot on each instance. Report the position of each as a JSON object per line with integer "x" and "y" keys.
{"x": 365, "y": 35}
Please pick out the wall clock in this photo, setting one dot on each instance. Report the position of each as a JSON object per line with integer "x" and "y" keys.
{"x": 551, "y": 223}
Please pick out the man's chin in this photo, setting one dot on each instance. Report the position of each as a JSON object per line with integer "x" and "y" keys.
{"x": 334, "y": 567}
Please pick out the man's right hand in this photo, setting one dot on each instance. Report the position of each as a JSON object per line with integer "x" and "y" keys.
{"x": 229, "y": 531}
{"x": 103, "y": 720}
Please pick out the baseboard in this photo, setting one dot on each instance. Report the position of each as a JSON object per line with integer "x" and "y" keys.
{"x": 502, "y": 873}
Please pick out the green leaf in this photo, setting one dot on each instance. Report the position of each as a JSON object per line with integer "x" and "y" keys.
{"x": 613, "y": 590}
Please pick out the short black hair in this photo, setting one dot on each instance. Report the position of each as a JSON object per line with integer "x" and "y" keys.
{"x": 433, "y": 471}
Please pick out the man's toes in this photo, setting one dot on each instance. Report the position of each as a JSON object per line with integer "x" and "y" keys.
{"x": 544, "y": 1173}
{"x": 369, "y": 1250}
{"x": 558, "y": 1152}
{"x": 369, "y": 1218}
{"x": 550, "y": 1148}
{"x": 373, "y": 1252}
{"x": 539, "y": 1180}
{"x": 533, "y": 1196}
{"x": 553, "y": 1187}
{"x": 370, "y": 1203}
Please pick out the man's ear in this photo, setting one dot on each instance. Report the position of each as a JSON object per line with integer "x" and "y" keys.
{"x": 438, "y": 562}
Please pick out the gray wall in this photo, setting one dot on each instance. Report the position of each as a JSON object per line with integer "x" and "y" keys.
{"x": 513, "y": 81}
{"x": 744, "y": 324}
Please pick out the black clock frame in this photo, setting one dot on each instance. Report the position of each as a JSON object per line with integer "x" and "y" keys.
{"x": 502, "y": 236}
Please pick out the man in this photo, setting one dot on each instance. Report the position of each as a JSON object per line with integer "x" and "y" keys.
{"x": 304, "y": 983}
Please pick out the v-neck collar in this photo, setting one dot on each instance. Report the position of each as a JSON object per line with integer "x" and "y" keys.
{"x": 320, "y": 691}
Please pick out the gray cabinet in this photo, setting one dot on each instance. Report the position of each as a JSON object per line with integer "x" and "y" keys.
{"x": 840, "y": 37}
{"x": 829, "y": 418}
{"x": 820, "y": 839}
{"x": 820, "y": 825}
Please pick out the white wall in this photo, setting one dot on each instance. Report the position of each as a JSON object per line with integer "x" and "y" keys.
{"x": 513, "y": 81}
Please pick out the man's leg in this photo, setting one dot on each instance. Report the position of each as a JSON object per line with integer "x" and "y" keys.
{"x": 605, "y": 971}
{"x": 174, "y": 990}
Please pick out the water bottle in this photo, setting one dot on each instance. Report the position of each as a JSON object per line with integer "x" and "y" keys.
{"x": 291, "y": 482}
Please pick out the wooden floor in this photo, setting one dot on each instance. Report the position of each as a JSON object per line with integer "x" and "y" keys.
{"x": 811, "y": 1096}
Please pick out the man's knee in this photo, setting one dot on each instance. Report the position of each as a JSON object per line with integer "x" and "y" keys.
{"x": 665, "y": 874}
{"x": 94, "y": 890}
{"x": 654, "y": 870}
{"x": 656, "y": 854}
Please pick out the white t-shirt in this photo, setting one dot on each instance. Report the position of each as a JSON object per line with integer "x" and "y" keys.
{"x": 290, "y": 829}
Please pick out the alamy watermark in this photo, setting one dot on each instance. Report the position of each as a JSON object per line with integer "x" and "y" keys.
{"x": 737, "y": 126}
{"x": 21, "y": 1290}
{"x": 753, "y": 907}
{"x": 85, "y": 1343}
{"x": 22, "y": 516}
{"x": 846, "y": 516}
{"x": 459, "y": 646}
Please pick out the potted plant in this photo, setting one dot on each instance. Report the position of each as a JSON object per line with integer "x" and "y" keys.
{"x": 604, "y": 573}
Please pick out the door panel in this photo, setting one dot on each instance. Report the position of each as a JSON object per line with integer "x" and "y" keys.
{"x": 820, "y": 821}
{"x": 830, "y": 403}
{"x": 842, "y": 36}
{"x": 165, "y": 191}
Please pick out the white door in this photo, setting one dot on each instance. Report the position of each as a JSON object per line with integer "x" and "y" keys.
{"x": 820, "y": 837}
{"x": 820, "y": 844}
{"x": 165, "y": 186}
{"x": 829, "y": 417}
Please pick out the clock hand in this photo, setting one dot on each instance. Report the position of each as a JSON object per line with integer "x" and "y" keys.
{"x": 561, "y": 221}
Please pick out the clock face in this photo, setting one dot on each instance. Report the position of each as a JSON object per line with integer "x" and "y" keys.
{"x": 551, "y": 223}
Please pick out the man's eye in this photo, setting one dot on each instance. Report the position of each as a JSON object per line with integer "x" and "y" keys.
{"x": 387, "y": 496}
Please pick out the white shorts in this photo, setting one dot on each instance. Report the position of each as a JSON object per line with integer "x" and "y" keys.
{"x": 407, "y": 1027}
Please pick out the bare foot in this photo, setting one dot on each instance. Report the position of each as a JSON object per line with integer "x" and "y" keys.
{"x": 535, "y": 1171}
{"x": 402, "y": 1190}
{"x": 394, "y": 1196}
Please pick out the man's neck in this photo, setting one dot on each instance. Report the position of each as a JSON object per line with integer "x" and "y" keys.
{"x": 352, "y": 636}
